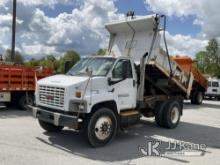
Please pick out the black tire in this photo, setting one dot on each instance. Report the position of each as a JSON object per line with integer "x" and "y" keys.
{"x": 49, "y": 127}
{"x": 9, "y": 104}
{"x": 22, "y": 102}
{"x": 109, "y": 126}
{"x": 197, "y": 97}
{"x": 171, "y": 114}
{"x": 159, "y": 108}
{"x": 192, "y": 98}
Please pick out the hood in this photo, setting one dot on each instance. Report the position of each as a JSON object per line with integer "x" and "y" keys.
{"x": 62, "y": 80}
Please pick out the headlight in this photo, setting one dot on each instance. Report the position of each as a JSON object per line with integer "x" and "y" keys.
{"x": 77, "y": 106}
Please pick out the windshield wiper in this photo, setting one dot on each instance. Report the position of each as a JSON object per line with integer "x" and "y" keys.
{"x": 77, "y": 74}
{"x": 70, "y": 74}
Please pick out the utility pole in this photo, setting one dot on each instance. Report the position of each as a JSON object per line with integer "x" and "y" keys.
{"x": 13, "y": 30}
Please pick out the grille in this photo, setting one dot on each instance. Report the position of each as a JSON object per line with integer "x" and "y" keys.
{"x": 53, "y": 96}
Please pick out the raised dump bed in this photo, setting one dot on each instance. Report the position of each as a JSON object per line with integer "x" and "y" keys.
{"x": 169, "y": 82}
{"x": 200, "y": 82}
{"x": 187, "y": 64}
{"x": 135, "y": 37}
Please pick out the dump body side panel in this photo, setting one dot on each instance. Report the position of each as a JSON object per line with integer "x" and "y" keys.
{"x": 20, "y": 78}
{"x": 186, "y": 64}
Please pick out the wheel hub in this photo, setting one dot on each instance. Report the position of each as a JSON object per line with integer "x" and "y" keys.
{"x": 103, "y": 128}
{"x": 200, "y": 97}
{"x": 174, "y": 115}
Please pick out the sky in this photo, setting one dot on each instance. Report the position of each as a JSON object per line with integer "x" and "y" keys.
{"x": 47, "y": 27}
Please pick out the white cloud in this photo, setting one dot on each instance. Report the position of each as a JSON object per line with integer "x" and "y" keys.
{"x": 7, "y": 19}
{"x": 38, "y": 49}
{"x": 40, "y": 2}
{"x": 206, "y": 13}
{"x": 4, "y": 38}
{"x": 82, "y": 29}
{"x": 184, "y": 45}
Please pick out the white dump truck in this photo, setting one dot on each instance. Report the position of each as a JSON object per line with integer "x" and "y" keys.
{"x": 101, "y": 95}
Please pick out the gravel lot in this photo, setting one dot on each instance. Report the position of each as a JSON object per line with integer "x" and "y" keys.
{"x": 23, "y": 142}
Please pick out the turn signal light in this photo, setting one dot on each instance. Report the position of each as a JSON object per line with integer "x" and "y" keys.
{"x": 78, "y": 94}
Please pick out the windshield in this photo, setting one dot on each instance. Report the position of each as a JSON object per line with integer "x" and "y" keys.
{"x": 215, "y": 84}
{"x": 99, "y": 66}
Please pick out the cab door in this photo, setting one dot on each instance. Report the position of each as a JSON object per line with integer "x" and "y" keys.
{"x": 124, "y": 84}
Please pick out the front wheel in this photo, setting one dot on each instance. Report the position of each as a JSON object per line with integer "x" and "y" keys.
{"x": 49, "y": 127}
{"x": 102, "y": 127}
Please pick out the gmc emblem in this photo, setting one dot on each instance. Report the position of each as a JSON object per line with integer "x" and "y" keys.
{"x": 49, "y": 97}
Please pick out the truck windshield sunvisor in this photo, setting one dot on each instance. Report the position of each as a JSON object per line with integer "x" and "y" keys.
{"x": 98, "y": 66}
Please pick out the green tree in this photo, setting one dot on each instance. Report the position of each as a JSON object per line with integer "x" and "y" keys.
{"x": 202, "y": 61}
{"x": 57, "y": 64}
{"x": 18, "y": 59}
{"x": 101, "y": 52}
{"x": 51, "y": 58}
{"x": 47, "y": 62}
{"x": 71, "y": 56}
{"x": 213, "y": 53}
{"x": 33, "y": 62}
{"x": 209, "y": 60}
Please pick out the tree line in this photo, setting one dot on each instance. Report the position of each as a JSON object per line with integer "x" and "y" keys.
{"x": 49, "y": 61}
{"x": 208, "y": 60}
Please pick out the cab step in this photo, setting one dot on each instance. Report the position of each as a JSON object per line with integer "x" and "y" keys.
{"x": 129, "y": 117}
{"x": 129, "y": 113}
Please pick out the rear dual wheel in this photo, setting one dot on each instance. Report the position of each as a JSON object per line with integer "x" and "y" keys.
{"x": 197, "y": 97}
{"x": 25, "y": 100}
{"x": 168, "y": 113}
{"x": 20, "y": 100}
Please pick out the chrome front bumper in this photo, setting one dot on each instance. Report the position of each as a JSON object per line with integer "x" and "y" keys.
{"x": 55, "y": 118}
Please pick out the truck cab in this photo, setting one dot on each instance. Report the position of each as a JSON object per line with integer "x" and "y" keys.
{"x": 93, "y": 80}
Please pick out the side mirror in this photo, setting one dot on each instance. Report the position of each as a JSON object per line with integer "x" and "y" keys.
{"x": 112, "y": 82}
{"x": 109, "y": 81}
{"x": 67, "y": 66}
